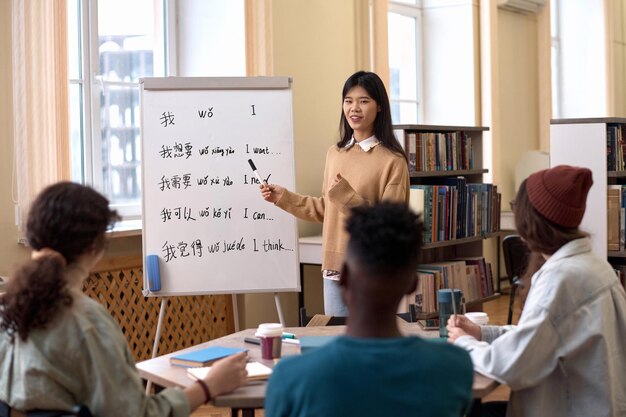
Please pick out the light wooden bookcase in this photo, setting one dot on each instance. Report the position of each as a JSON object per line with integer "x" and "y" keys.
{"x": 453, "y": 248}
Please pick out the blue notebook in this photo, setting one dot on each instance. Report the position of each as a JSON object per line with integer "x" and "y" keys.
{"x": 203, "y": 357}
{"x": 311, "y": 342}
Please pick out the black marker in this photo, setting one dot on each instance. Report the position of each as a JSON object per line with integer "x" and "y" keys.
{"x": 256, "y": 173}
{"x": 253, "y": 340}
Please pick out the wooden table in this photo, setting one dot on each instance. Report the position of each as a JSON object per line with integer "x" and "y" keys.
{"x": 252, "y": 395}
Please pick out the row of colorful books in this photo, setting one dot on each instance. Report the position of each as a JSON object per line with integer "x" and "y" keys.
{"x": 615, "y": 147}
{"x": 431, "y": 151}
{"x": 473, "y": 276}
{"x": 453, "y": 209}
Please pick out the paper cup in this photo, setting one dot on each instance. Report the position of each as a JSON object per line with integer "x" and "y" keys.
{"x": 270, "y": 335}
{"x": 478, "y": 318}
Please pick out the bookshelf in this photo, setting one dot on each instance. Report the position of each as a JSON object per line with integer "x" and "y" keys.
{"x": 598, "y": 144}
{"x": 438, "y": 155}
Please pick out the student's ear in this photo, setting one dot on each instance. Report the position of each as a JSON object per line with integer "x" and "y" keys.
{"x": 412, "y": 285}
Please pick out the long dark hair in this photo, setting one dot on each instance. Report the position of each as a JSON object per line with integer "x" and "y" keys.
{"x": 383, "y": 128}
{"x": 540, "y": 234}
{"x": 65, "y": 221}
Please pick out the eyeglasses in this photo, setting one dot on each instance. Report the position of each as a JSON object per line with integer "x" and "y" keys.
{"x": 512, "y": 205}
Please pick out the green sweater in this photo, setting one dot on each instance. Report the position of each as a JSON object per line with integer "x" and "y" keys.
{"x": 81, "y": 357}
{"x": 368, "y": 177}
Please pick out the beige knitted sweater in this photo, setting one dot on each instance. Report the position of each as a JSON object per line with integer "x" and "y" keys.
{"x": 368, "y": 177}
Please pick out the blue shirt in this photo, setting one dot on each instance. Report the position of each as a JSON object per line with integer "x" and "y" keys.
{"x": 373, "y": 377}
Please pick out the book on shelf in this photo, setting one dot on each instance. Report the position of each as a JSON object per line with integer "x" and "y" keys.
{"x": 416, "y": 200}
{"x": 256, "y": 372}
{"x": 484, "y": 276}
{"x": 614, "y": 194}
{"x": 453, "y": 209}
{"x": 411, "y": 150}
{"x": 203, "y": 357}
{"x": 473, "y": 276}
{"x": 439, "y": 151}
{"x": 428, "y": 284}
{"x": 615, "y": 147}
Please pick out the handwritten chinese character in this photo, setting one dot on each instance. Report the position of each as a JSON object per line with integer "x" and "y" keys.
{"x": 196, "y": 247}
{"x": 187, "y": 214}
{"x": 165, "y": 183}
{"x": 165, "y": 152}
{"x": 182, "y": 248}
{"x": 176, "y": 181}
{"x": 166, "y": 215}
{"x": 167, "y": 118}
{"x": 188, "y": 149}
{"x": 178, "y": 150}
{"x": 187, "y": 180}
{"x": 169, "y": 252}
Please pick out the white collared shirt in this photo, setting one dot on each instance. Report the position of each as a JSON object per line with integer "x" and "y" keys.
{"x": 365, "y": 144}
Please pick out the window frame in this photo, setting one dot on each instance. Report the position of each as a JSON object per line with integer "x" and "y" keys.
{"x": 413, "y": 11}
{"x": 93, "y": 85}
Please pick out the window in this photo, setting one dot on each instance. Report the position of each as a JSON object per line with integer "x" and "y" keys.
{"x": 114, "y": 43}
{"x": 404, "y": 22}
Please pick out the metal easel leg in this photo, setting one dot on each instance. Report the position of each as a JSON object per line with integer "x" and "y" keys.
{"x": 235, "y": 313}
{"x": 157, "y": 337}
{"x": 279, "y": 309}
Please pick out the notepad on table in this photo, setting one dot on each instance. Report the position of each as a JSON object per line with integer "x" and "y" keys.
{"x": 311, "y": 342}
{"x": 256, "y": 371}
{"x": 204, "y": 357}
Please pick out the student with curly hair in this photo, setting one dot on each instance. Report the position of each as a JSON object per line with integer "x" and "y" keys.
{"x": 58, "y": 347}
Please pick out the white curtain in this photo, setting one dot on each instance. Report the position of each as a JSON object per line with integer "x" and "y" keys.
{"x": 40, "y": 98}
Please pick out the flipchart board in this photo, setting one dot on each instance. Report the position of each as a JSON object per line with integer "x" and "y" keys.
{"x": 206, "y": 227}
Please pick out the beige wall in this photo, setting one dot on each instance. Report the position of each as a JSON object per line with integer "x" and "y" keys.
{"x": 617, "y": 39}
{"x": 313, "y": 42}
{"x": 10, "y": 251}
{"x": 518, "y": 95}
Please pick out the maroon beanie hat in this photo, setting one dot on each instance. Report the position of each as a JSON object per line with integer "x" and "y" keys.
{"x": 560, "y": 194}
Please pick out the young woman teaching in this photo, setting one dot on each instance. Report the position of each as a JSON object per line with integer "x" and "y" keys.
{"x": 58, "y": 347}
{"x": 366, "y": 165}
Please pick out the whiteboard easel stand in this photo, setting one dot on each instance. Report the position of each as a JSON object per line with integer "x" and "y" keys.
{"x": 157, "y": 337}
{"x": 159, "y": 329}
{"x": 279, "y": 310}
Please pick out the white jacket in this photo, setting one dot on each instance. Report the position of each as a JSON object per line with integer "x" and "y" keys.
{"x": 567, "y": 355}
